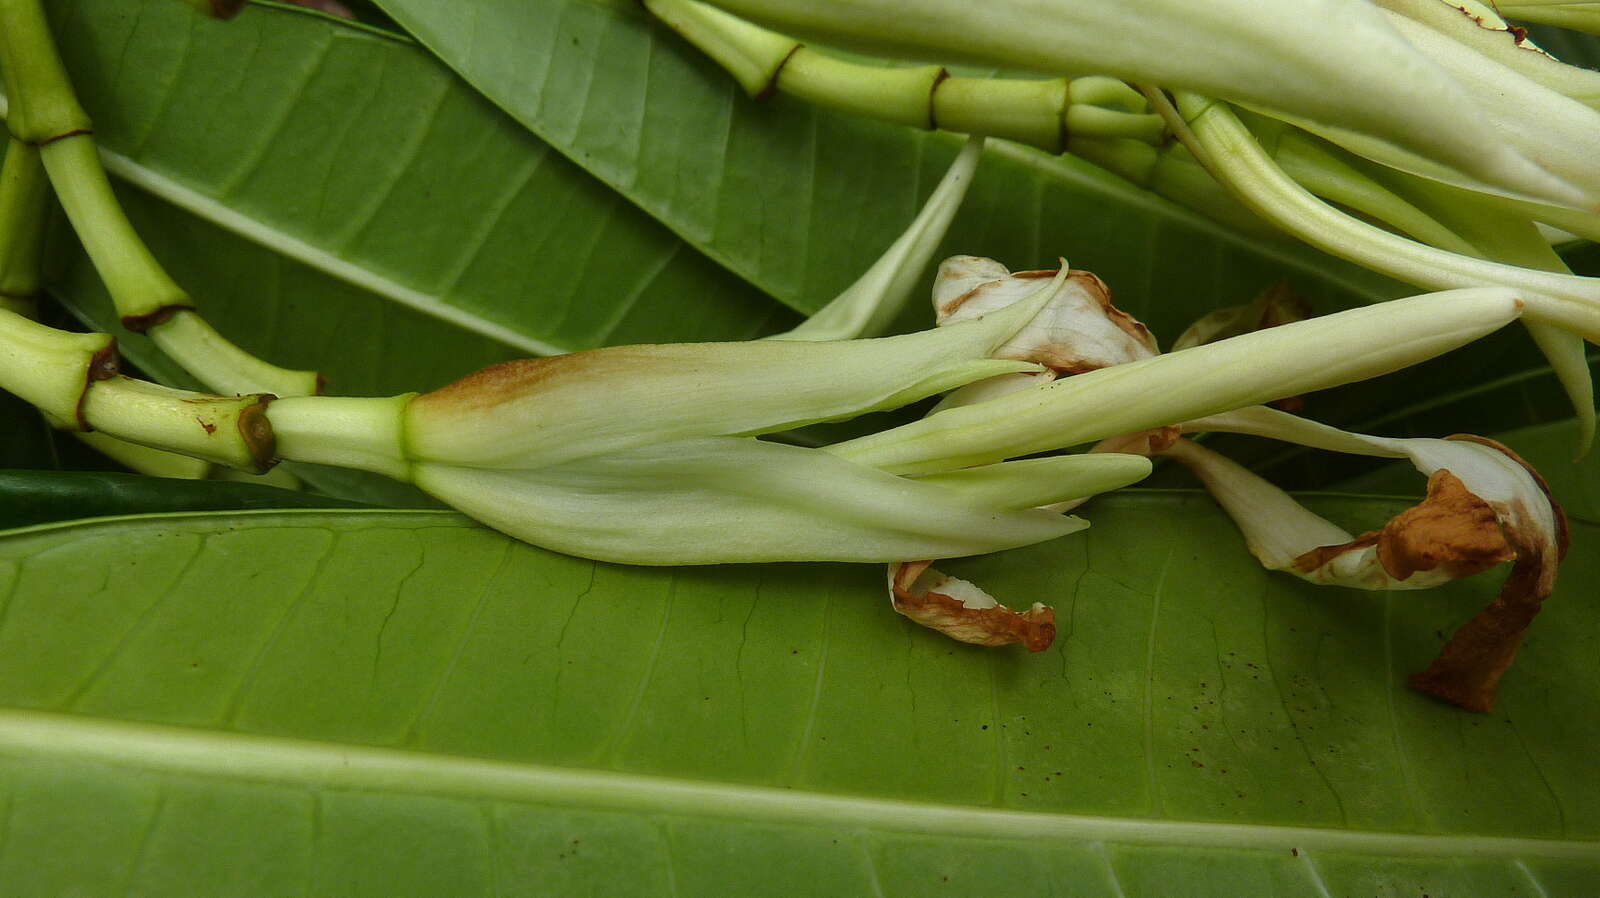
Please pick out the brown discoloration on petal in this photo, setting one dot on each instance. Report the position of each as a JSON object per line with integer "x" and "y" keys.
{"x": 914, "y": 592}
{"x": 1451, "y": 528}
{"x": 1322, "y": 555}
{"x": 1077, "y": 331}
{"x": 1468, "y": 669}
{"x": 1563, "y": 536}
{"x": 495, "y": 385}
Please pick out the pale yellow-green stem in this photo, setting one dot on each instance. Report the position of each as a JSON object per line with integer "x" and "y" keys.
{"x": 44, "y": 111}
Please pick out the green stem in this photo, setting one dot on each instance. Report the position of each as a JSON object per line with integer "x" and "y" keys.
{"x": 1171, "y": 172}
{"x": 145, "y": 460}
{"x": 52, "y": 369}
{"x": 1040, "y": 113}
{"x": 1327, "y": 171}
{"x": 24, "y": 197}
{"x": 43, "y": 106}
{"x": 223, "y": 366}
{"x": 140, "y": 288}
{"x": 364, "y": 433}
{"x": 44, "y": 111}
{"x": 226, "y": 430}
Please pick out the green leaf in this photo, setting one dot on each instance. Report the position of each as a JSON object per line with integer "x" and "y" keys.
{"x": 397, "y": 205}
{"x": 41, "y": 497}
{"x": 402, "y": 703}
{"x": 800, "y": 200}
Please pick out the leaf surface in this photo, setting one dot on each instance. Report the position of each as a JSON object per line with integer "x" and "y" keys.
{"x": 399, "y": 703}
{"x": 396, "y": 203}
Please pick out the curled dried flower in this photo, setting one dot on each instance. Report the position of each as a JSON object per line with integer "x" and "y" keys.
{"x": 1077, "y": 330}
{"x": 963, "y": 611}
{"x": 1484, "y": 506}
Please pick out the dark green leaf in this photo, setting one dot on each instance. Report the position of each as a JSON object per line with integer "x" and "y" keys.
{"x": 41, "y": 497}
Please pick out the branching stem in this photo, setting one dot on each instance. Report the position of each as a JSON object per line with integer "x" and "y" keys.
{"x": 44, "y": 111}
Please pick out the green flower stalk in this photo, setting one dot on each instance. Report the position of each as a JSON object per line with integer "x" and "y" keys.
{"x": 1041, "y": 113}
{"x": 1337, "y": 63}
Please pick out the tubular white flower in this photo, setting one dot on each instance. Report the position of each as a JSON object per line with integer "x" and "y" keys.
{"x": 722, "y": 499}
{"x": 1249, "y": 369}
{"x": 540, "y": 412}
{"x": 1494, "y": 40}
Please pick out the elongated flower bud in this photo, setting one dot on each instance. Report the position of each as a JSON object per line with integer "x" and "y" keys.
{"x": 1249, "y": 369}
{"x": 540, "y": 412}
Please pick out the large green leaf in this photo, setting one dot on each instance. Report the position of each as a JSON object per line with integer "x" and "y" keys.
{"x": 800, "y": 200}
{"x": 398, "y": 205}
{"x": 401, "y": 703}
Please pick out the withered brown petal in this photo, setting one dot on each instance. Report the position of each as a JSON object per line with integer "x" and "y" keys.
{"x": 1468, "y": 669}
{"x": 914, "y": 593}
{"x": 1451, "y": 528}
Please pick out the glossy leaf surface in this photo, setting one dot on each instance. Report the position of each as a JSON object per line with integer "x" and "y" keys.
{"x": 401, "y": 703}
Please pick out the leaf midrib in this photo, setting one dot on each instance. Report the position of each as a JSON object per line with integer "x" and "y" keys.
{"x": 34, "y": 735}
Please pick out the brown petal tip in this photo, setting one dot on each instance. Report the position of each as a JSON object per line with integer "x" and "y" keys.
{"x": 965, "y": 612}
{"x": 1468, "y": 669}
{"x": 1451, "y": 532}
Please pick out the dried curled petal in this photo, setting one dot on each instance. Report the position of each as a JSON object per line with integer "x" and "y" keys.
{"x": 963, "y": 611}
{"x": 1078, "y": 330}
{"x": 1451, "y": 531}
{"x": 1468, "y": 669}
{"x": 1485, "y": 505}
